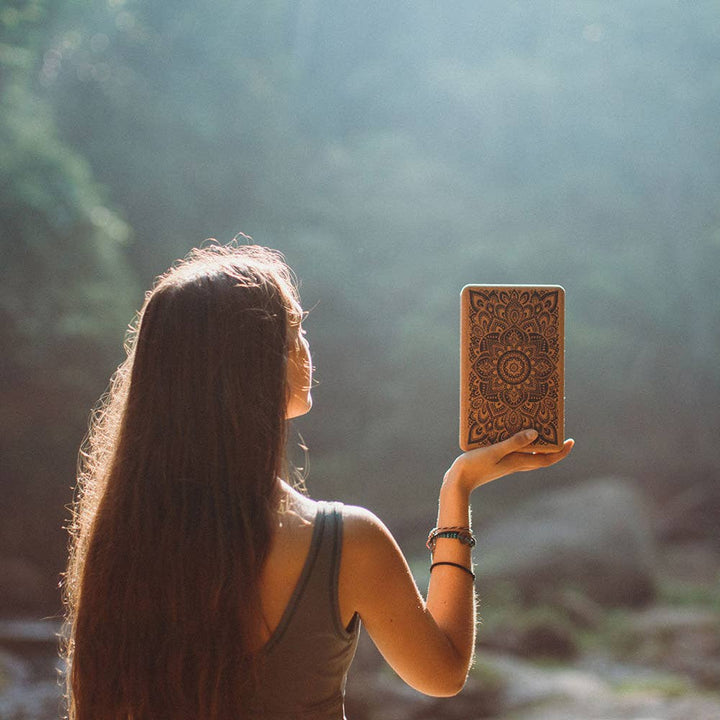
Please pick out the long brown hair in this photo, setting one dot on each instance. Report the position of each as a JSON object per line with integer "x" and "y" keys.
{"x": 177, "y": 490}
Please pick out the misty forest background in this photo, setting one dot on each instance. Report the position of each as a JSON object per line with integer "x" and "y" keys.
{"x": 394, "y": 152}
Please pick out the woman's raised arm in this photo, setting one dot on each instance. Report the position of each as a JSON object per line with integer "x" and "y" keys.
{"x": 428, "y": 643}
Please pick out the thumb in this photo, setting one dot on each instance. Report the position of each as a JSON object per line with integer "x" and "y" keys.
{"x": 516, "y": 442}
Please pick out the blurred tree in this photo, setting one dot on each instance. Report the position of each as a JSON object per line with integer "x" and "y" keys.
{"x": 184, "y": 111}
{"x": 65, "y": 294}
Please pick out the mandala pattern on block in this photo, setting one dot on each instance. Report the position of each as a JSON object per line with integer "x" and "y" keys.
{"x": 514, "y": 364}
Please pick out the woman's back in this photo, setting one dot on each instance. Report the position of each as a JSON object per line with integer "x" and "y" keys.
{"x": 307, "y": 648}
{"x": 286, "y": 560}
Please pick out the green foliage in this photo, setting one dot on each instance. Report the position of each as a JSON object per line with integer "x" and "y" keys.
{"x": 666, "y": 685}
{"x": 65, "y": 295}
{"x": 60, "y": 243}
{"x": 689, "y": 594}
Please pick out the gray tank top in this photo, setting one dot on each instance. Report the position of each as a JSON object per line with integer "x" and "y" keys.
{"x": 305, "y": 661}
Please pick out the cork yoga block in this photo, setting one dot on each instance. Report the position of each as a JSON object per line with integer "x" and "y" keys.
{"x": 512, "y": 364}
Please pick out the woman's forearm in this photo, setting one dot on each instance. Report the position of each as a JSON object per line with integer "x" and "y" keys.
{"x": 451, "y": 592}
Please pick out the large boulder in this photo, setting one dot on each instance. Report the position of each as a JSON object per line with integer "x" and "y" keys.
{"x": 595, "y": 537}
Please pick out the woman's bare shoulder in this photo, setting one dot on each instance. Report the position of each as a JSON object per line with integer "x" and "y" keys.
{"x": 354, "y": 515}
{"x": 363, "y": 530}
{"x": 370, "y": 558}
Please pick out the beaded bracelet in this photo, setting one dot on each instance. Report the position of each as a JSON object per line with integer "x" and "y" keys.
{"x": 463, "y": 534}
{"x": 457, "y": 565}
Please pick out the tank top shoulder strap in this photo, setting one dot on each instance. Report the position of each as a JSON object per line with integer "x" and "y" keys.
{"x": 318, "y": 603}
{"x": 304, "y": 666}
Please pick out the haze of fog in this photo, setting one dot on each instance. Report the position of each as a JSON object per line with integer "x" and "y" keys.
{"x": 394, "y": 152}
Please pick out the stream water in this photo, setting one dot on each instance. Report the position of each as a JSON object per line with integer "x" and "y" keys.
{"x": 30, "y": 670}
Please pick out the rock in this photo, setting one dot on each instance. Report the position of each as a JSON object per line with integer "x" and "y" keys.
{"x": 578, "y": 608}
{"x": 591, "y": 691}
{"x": 547, "y": 640}
{"x": 595, "y": 538}
{"x": 528, "y": 684}
{"x": 543, "y": 633}
{"x": 681, "y": 639}
{"x": 634, "y": 706}
{"x": 691, "y": 515}
{"x": 691, "y": 563}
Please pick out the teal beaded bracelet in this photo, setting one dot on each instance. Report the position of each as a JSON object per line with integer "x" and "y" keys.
{"x": 463, "y": 534}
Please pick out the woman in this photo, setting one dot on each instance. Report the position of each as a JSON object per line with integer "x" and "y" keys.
{"x": 200, "y": 584}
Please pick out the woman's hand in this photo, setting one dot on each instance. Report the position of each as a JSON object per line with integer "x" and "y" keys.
{"x": 482, "y": 465}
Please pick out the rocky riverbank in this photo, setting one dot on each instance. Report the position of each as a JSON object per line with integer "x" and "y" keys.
{"x": 596, "y": 686}
{"x": 586, "y": 616}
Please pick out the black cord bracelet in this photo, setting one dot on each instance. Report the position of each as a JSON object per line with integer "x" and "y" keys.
{"x": 457, "y": 565}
